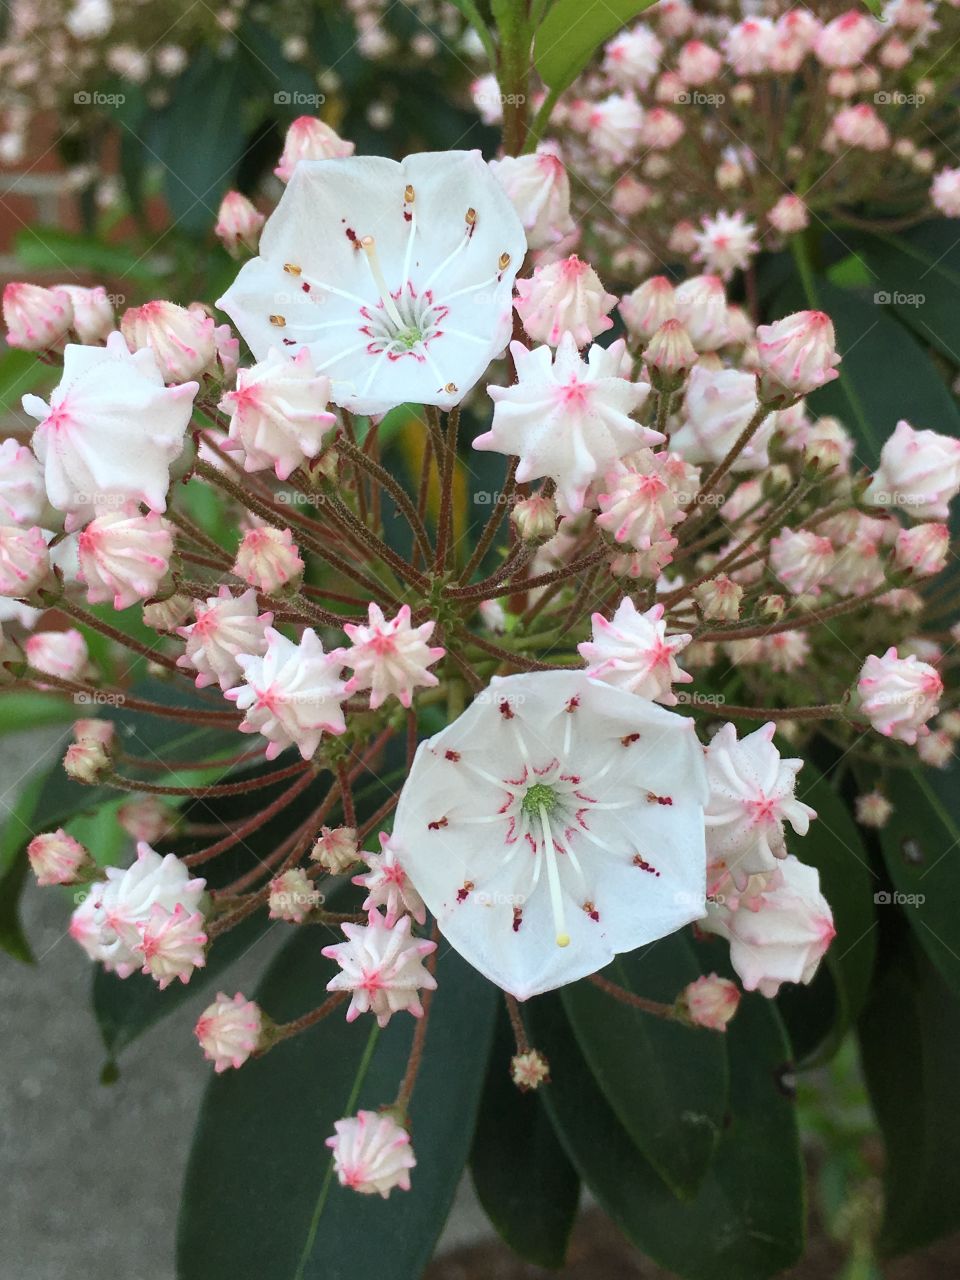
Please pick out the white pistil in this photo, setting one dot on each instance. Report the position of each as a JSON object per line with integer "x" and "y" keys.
{"x": 553, "y": 880}
{"x": 369, "y": 247}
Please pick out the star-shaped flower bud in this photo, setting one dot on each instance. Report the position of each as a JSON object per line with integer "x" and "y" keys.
{"x": 382, "y": 966}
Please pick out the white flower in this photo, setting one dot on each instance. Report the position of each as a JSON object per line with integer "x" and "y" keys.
{"x": 614, "y": 126}
{"x": 172, "y": 944}
{"x": 371, "y": 1154}
{"x": 292, "y": 694}
{"x": 567, "y": 418}
{"x": 919, "y": 471}
{"x": 229, "y": 1031}
{"x": 779, "y": 935}
{"x": 945, "y": 192}
{"x": 109, "y": 922}
{"x": 278, "y": 412}
{"x": 717, "y": 406}
{"x": 390, "y": 658}
{"x": 226, "y": 626}
{"x": 899, "y": 695}
{"x": 382, "y": 966}
{"x": 633, "y": 651}
{"x": 632, "y": 58}
{"x": 751, "y": 796}
{"x": 111, "y": 430}
{"x": 397, "y": 277}
{"x": 21, "y": 484}
{"x": 555, "y": 823}
{"x": 726, "y": 243}
{"x": 539, "y": 190}
{"x": 388, "y": 884}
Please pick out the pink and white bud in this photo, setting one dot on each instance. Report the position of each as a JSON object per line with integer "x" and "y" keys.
{"x": 798, "y": 352}
{"x": 860, "y": 126}
{"x": 336, "y": 849}
{"x": 676, "y": 17}
{"x": 102, "y": 731}
{"x": 535, "y": 518}
{"x": 56, "y": 858}
{"x": 648, "y": 307}
{"x": 701, "y": 307}
{"x": 682, "y": 238}
{"x": 293, "y": 895}
{"x": 93, "y": 317}
{"x": 388, "y": 885}
{"x": 661, "y": 129}
{"x": 789, "y": 215}
{"x": 382, "y": 967}
{"x": 796, "y": 31}
{"x": 670, "y": 351}
{"x": 698, "y": 63}
{"x": 923, "y": 548}
{"x": 801, "y": 560}
{"x": 147, "y": 819}
{"x": 37, "y": 319}
{"x": 899, "y": 695}
{"x": 748, "y": 45}
{"x": 229, "y": 1031}
{"x": 182, "y": 340}
{"x": 630, "y": 196}
{"x": 167, "y": 615}
{"x": 633, "y": 651}
{"x": 564, "y": 296}
{"x": 847, "y": 40}
{"x": 310, "y": 139}
{"x": 173, "y": 944}
{"x": 726, "y": 243}
{"x": 529, "y": 1070}
{"x": 268, "y": 559}
{"x": 644, "y": 497}
{"x": 945, "y": 192}
{"x": 22, "y": 495}
{"x": 718, "y": 405}
{"x": 632, "y": 58}
{"x": 919, "y": 472}
{"x": 226, "y": 626}
{"x": 86, "y": 761}
{"x": 124, "y": 556}
{"x": 57, "y": 653}
{"x": 539, "y": 190}
{"x": 372, "y": 1154}
{"x": 238, "y": 223}
{"x": 935, "y": 749}
{"x": 873, "y": 810}
{"x": 719, "y": 598}
{"x": 390, "y": 658}
{"x": 711, "y": 1001}
{"x": 24, "y": 560}
{"x": 614, "y": 125}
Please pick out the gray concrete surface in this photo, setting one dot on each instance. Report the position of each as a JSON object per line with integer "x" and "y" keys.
{"x": 90, "y": 1173}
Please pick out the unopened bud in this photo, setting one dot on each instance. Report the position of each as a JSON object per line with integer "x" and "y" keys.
{"x": 86, "y": 761}
{"x": 336, "y": 849}
{"x": 535, "y": 519}
{"x": 820, "y": 457}
{"x": 669, "y": 355}
{"x": 772, "y": 606}
{"x": 720, "y": 598}
{"x": 529, "y": 1070}
{"x": 710, "y": 1002}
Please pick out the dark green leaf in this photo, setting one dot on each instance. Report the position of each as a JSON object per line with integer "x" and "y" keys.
{"x": 572, "y": 30}
{"x": 666, "y": 1082}
{"x": 746, "y": 1222}
{"x": 910, "y": 1046}
{"x": 260, "y": 1198}
{"x": 526, "y": 1184}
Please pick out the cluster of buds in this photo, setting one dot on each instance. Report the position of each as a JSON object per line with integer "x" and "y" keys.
{"x": 677, "y": 544}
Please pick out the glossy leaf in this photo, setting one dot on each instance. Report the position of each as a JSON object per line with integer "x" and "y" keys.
{"x": 666, "y": 1082}
{"x": 746, "y": 1222}
{"x": 572, "y": 30}
{"x": 260, "y": 1198}
{"x": 525, "y": 1182}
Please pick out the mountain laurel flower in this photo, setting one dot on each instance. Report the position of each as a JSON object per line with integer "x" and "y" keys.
{"x": 168, "y": 615}
{"x": 529, "y": 1070}
{"x": 109, "y": 923}
{"x": 698, "y": 63}
{"x": 670, "y": 353}
{"x": 711, "y": 1001}
{"x": 111, "y": 430}
{"x": 268, "y": 559}
{"x": 539, "y": 190}
{"x": 372, "y": 1154}
{"x": 102, "y": 731}
{"x": 172, "y": 944}
{"x": 293, "y": 896}
{"x": 719, "y": 598}
{"x": 229, "y": 1031}
{"x": 751, "y": 796}
{"x": 945, "y": 192}
{"x": 556, "y": 822}
{"x": 919, "y": 473}
{"x": 37, "y": 319}
{"x": 725, "y": 243}
{"x": 935, "y": 749}
{"x": 227, "y": 625}
{"x": 336, "y": 849}
{"x": 701, "y": 307}
{"x": 381, "y": 965}
{"x": 661, "y": 129}
{"x": 789, "y": 215}
{"x": 847, "y": 40}
{"x": 22, "y": 497}
{"x": 57, "y": 653}
{"x": 649, "y": 306}
{"x": 633, "y": 651}
{"x": 56, "y": 858}
{"x": 779, "y": 937}
{"x": 181, "y": 338}
{"x": 308, "y": 138}
{"x": 292, "y": 694}
{"x": 567, "y": 418}
{"x": 390, "y": 658}
{"x": 93, "y": 317}
{"x": 859, "y": 126}
{"x": 798, "y": 353}
{"x": 749, "y": 44}
{"x": 614, "y": 125}
{"x": 873, "y": 809}
{"x": 899, "y": 695}
{"x": 24, "y": 560}
{"x": 801, "y": 559}
{"x": 388, "y": 884}
{"x": 923, "y": 549}
{"x": 278, "y": 412}
{"x": 564, "y": 296}
{"x": 718, "y": 405}
{"x": 632, "y": 58}
{"x": 642, "y": 504}
{"x": 87, "y": 761}
{"x": 147, "y": 818}
{"x": 535, "y": 518}
{"x": 397, "y": 277}
{"x": 124, "y": 556}
{"x": 238, "y": 223}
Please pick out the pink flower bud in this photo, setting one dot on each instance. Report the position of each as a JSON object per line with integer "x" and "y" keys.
{"x": 789, "y": 215}
{"x": 372, "y": 1154}
{"x": 535, "y": 518}
{"x": 93, "y": 316}
{"x": 923, "y": 549}
{"x": 147, "y": 819}
{"x": 167, "y": 615}
{"x": 701, "y": 307}
{"x": 698, "y": 63}
{"x": 529, "y": 1070}
{"x": 945, "y": 192}
{"x": 37, "y": 319}
{"x": 899, "y": 695}
{"x": 56, "y": 858}
{"x": 182, "y": 340}
{"x": 293, "y": 896}
{"x": 860, "y": 126}
{"x": 238, "y": 223}
{"x": 539, "y": 190}
{"x": 336, "y": 849}
{"x": 720, "y": 598}
{"x": 661, "y": 129}
{"x": 919, "y": 471}
{"x": 648, "y": 307}
{"x": 748, "y": 45}
{"x": 847, "y": 40}
{"x": 86, "y": 761}
{"x": 101, "y": 731}
{"x": 563, "y": 297}
{"x": 124, "y": 556}
{"x": 310, "y": 139}
{"x": 24, "y": 560}
{"x": 172, "y": 944}
{"x": 873, "y": 809}
{"x": 935, "y": 749}
{"x": 229, "y": 1031}
{"x": 798, "y": 352}
{"x": 801, "y": 559}
{"x": 670, "y": 350}
{"x": 57, "y": 653}
{"x": 711, "y": 1001}
{"x": 268, "y": 559}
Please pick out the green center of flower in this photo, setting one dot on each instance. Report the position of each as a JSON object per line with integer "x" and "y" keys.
{"x": 408, "y": 338}
{"x": 538, "y": 797}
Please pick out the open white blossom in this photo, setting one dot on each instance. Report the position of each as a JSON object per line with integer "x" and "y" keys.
{"x": 555, "y": 823}
{"x": 397, "y": 277}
